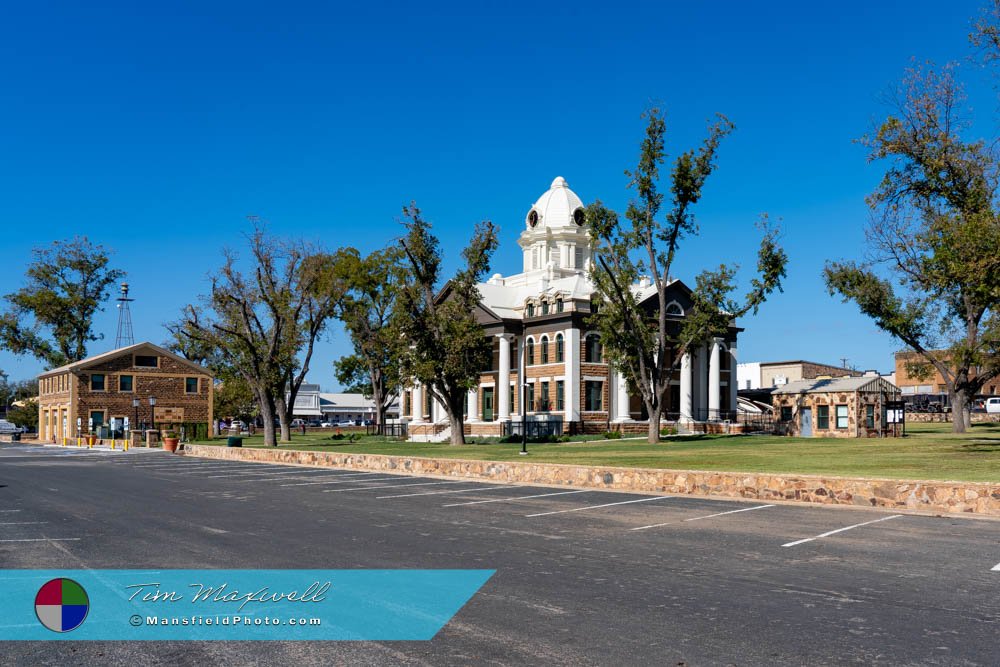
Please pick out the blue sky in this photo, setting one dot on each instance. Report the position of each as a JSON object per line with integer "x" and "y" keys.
{"x": 156, "y": 128}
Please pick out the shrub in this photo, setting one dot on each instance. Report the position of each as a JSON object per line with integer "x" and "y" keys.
{"x": 612, "y": 435}
{"x": 668, "y": 430}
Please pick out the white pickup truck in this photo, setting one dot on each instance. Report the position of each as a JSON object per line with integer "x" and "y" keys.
{"x": 6, "y": 427}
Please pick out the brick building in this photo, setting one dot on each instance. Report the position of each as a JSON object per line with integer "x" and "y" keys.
{"x": 911, "y": 385}
{"x": 851, "y": 407}
{"x": 537, "y": 323}
{"x": 106, "y": 394}
{"x": 778, "y": 373}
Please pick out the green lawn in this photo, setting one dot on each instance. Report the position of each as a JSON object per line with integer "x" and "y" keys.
{"x": 930, "y": 451}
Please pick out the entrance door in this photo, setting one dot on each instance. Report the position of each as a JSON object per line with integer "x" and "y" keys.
{"x": 487, "y": 404}
{"x": 807, "y": 422}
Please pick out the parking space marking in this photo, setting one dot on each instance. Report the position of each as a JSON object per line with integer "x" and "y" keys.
{"x": 339, "y": 479}
{"x": 285, "y": 478}
{"x": 707, "y": 516}
{"x": 436, "y": 493}
{"x": 387, "y": 486}
{"x": 594, "y": 507}
{"x": 995, "y": 568}
{"x": 840, "y": 530}
{"x": 296, "y": 471}
{"x": 45, "y": 539}
{"x": 22, "y": 523}
{"x": 6, "y": 511}
{"x": 507, "y": 500}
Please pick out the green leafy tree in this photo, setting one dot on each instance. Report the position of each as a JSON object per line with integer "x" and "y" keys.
{"x": 264, "y": 324}
{"x": 446, "y": 346}
{"x": 51, "y": 317}
{"x": 372, "y": 287}
{"x": 931, "y": 277}
{"x": 641, "y": 342}
{"x": 24, "y": 413}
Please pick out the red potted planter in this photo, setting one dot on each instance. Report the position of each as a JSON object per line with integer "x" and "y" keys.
{"x": 170, "y": 442}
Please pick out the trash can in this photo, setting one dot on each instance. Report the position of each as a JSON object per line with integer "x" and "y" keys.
{"x": 15, "y": 437}
{"x": 234, "y": 441}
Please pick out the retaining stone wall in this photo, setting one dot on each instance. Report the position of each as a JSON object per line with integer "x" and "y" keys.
{"x": 945, "y": 497}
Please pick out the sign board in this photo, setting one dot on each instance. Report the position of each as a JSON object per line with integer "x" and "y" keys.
{"x": 125, "y": 423}
{"x": 895, "y": 412}
{"x": 167, "y": 415}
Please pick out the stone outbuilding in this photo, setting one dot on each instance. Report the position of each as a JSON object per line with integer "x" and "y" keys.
{"x": 111, "y": 393}
{"x": 851, "y": 407}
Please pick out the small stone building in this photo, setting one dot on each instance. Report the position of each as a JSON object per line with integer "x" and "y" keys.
{"x": 851, "y": 407}
{"x": 111, "y": 393}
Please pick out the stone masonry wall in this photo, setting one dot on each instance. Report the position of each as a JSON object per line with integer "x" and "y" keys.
{"x": 944, "y": 497}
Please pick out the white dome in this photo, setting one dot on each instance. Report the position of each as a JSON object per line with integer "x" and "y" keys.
{"x": 555, "y": 208}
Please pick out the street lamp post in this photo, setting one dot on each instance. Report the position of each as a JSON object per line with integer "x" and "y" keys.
{"x": 135, "y": 406}
{"x": 152, "y": 411}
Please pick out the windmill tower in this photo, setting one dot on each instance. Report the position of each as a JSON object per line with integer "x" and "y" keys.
{"x": 124, "y": 337}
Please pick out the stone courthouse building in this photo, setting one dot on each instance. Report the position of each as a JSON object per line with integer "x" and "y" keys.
{"x": 109, "y": 393}
{"x": 537, "y": 324}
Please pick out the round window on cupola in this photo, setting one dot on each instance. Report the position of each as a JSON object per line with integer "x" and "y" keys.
{"x": 532, "y": 218}
{"x": 579, "y": 217}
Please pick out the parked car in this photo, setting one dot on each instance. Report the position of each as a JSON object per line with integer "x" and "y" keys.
{"x": 296, "y": 423}
{"x": 345, "y": 423}
{"x": 326, "y": 424}
{"x": 993, "y": 405}
{"x": 7, "y": 427}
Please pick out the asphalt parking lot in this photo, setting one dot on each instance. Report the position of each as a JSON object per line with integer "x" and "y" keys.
{"x": 583, "y": 577}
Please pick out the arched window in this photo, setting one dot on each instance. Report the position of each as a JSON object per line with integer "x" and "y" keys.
{"x": 559, "y": 347}
{"x": 531, "y": 310}
{"x": 674, "y": 308}
{"x": 592, "y": 351}
{"x": 545, "y": 350}
{"x": 529, "y": 352}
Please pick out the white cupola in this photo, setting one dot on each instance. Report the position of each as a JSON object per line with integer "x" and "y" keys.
{"x": 556, "y": 238}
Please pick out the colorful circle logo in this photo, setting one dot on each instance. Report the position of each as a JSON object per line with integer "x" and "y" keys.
{"x": 62, "y": 605}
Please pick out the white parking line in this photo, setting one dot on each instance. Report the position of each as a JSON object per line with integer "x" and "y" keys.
{"x": 6, "y": 511}
{"x": 505, "y": 500}
{"x": 22, "y": 523}
{"x": 387, "y": 486}
{"x": 282, "y": 478}
{"x": 594, "y": 507}
{"x": 46, "y": 539}
{"x": 339, "y": 479}
{"x": 297, "y": 471}
{"x": 995, "y": 568}
{"x": 840, "y": 530}
{"x": 436, "y": 493}
{"x": 707, "y": 516}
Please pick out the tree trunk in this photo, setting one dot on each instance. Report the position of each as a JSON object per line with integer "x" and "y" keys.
{"x": 967, "y": 411}
{"x": 284, "y": 411}
{"x": 457, "y": 428}
{"x": 653, "y": 436}
{"x": 267, "y": 414}
{"x": 958, "y": 407}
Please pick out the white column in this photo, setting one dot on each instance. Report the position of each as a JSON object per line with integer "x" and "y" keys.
{"x": 472, "y": 406}
{"x": 572, "y": 374}
{"x": 621, "y": 397}
{"x": 417, "y": 404}
{"x": 733, "y": 380}
{"x": 700, "y": 383}
{"x": 713, "y": 380}
{"x": 687, "y": 393}
{"x": 503, "y": 384}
